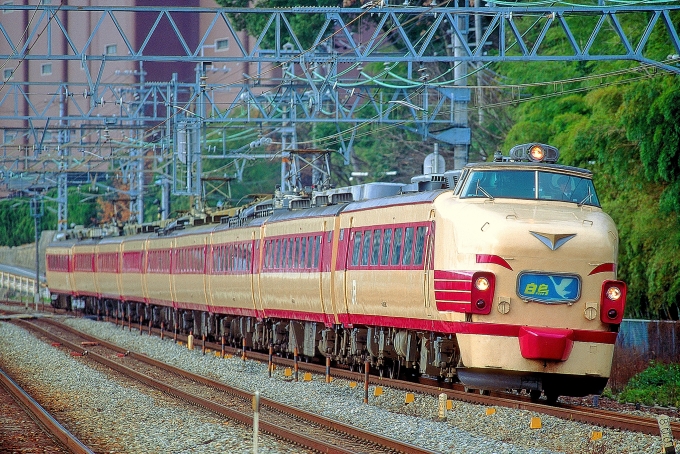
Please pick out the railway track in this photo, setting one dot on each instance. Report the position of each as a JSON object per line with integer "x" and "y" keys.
{"x": 38, "y": 431}
{"x": 304, "y": 429}
{"x": 584, "y": 414}
{"x": 587, "y": 415}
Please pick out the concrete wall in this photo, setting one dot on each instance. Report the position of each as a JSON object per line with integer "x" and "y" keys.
{"x": 24, "y": 256}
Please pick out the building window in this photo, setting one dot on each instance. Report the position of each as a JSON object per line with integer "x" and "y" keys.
{"x": 10, "y": 137}
{"x": 7, "y": 74}
{"x": 221, "y": 44}
{"x": 112, "y": 49}
{"x": 46, "y": 69}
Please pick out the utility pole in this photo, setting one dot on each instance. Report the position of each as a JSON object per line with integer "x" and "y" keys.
{"x": 37, "y": 213}
{"x": 460, "y": 70}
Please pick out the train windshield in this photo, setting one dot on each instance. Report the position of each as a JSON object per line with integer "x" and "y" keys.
{"x": 530, "y": 185}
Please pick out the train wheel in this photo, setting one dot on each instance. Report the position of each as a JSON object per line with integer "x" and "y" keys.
{"x": 534, "y": 394}
{"x": 551, "y": 397}
{"x": 395, "y": 370}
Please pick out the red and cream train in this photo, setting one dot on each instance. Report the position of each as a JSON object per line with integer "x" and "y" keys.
{"x": 502, "y": 275}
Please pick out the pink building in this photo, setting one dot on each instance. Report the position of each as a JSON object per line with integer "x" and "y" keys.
{"x": 37, "y": 94}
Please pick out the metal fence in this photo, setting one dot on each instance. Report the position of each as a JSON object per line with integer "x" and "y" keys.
{"x": 641, "y": 341}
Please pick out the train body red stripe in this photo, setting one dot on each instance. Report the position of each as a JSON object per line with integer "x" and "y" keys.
{"x": 604, "y": 268}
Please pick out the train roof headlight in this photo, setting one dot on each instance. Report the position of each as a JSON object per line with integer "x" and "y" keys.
{"x": 482, "y": 284}
{"x": 536, "y": 153}
{"x": 613, "y": 293}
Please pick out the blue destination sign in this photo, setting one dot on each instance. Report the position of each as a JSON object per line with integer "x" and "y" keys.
{"x": 549, "y": 288}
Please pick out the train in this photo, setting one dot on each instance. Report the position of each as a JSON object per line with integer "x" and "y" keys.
{"x": 500, "y": 275}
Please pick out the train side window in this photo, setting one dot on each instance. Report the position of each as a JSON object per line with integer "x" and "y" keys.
{"x": 277, "y": 246}
{"x": 303, "y": 252}
{"x": 342, "y": 235}
{"x": 357, "y": 249}
{"x": 420, "y": 245}
{"x": 284, "y": 252}
{"x": 366, "y": 248}
{"x": 317, "y": 251}
{"x": 296, "y": 253}
{"x": 396, "y": 246}
{"x": 272, "y": 243}
{"x": 282, "y": 258}
{"x": 289, "y": 255}
{"x": 375, "y": 253}
{"x": 329, "y": 237}
{"x": 387, "y": 241}
{"x": 272, "y": 250}
{"x": 408, "y": 246}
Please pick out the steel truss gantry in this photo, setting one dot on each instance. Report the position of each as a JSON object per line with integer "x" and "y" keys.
{"x": 318, "y": 82}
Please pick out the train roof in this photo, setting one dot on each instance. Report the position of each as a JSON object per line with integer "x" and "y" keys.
{"x": 585, "y": 173}
{"x": 313, "y": 212}
{"x": 403, "y": 199}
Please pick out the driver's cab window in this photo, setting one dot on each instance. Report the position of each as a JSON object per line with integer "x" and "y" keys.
{"x": 516, "y": 184}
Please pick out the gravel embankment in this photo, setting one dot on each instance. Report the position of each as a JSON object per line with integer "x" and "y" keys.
{"x": 468, "y": 429}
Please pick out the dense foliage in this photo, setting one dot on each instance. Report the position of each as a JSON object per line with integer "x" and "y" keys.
{"x": 17, "y": 225}
{"x": 659, "y": 384}
{"x": 624, "y": 127}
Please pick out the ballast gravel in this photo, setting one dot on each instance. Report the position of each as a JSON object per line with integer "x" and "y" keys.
{"x": 156, "y": 425}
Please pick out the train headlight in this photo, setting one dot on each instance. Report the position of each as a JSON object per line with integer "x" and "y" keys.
{"x": 536, "y": 153}
{"x": 481, "y": 292}
{"x": 482, "y": 284}
{"x": 612, "y": 301}
{"x": 613, "y": 293}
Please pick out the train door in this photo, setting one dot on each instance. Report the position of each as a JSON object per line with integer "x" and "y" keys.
{"x": 145, "y": 258}
{"x": 258, "y": 266}
{"x": 210, "y": 270}
{"x": 256, "y": 253}
{"x": 428, "y": 277}
{"x": 173, "y": 264}
{"x": 339, "y": 284}
{"x": 328, "y": 262}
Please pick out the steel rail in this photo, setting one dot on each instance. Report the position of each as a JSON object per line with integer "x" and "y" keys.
{"x": 44, "y": 418}
{"x": 294, "y": 437}
{"x": 599, "y": 417}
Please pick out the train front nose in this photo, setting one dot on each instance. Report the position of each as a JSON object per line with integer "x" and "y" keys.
{"x": 556, "y": 304}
